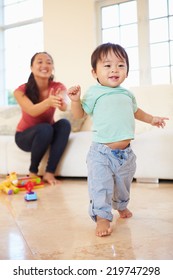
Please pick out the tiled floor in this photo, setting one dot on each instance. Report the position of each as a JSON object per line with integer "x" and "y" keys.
{"x": 57, "y": 225}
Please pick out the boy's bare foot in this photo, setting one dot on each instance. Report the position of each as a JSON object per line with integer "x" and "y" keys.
{"x": 125, "y": 213}
{"x": 50, "y": 178}
{"x": 103, "y": 227}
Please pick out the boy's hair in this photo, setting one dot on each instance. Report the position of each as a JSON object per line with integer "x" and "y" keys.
{"x": 104, "y": 49}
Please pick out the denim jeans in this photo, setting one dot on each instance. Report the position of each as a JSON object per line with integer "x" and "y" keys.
{"x": 39, "y": 138}
{"x": 110, "y": 173}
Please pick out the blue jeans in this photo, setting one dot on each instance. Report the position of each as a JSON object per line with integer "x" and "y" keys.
{"x": 110, "y": 173}
{"x": 39, "y": 138}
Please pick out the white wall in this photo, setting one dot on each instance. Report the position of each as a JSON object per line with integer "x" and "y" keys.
{"x": 70, "y": 37}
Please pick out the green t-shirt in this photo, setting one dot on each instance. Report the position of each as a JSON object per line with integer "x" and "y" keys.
{"x": 112, "y": 111}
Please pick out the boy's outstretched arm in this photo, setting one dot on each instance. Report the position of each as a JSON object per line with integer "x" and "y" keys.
{"x": 145, "y": 117}
{"x": 76, "y": 107}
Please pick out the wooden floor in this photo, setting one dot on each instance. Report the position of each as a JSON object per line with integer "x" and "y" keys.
{"x": 57, "y": 225}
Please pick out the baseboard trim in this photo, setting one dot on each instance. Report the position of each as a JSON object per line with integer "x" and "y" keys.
{"x": 147, "y": 180}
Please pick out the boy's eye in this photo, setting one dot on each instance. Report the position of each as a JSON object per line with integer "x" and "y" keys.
{"x": 121, "y": 65}
{"x": 107, "y": 65}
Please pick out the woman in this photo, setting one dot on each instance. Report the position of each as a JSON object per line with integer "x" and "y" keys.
{"x": 37, "y": 130}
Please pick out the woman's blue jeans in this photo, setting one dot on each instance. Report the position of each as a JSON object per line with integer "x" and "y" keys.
{"x": 39, "y": 138}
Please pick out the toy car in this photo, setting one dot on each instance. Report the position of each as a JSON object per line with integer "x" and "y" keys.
{"x": 30, "y": 196}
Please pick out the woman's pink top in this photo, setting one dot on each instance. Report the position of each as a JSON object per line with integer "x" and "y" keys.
{"x": 27, "y": 120}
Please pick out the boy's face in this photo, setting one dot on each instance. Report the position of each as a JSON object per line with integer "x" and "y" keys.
{"x": 111, "y": 70}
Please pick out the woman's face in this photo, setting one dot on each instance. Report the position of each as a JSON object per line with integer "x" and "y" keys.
{"x": 42, "y": 66}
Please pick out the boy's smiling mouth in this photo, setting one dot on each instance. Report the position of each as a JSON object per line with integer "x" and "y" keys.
{"x": 114, "y": 78}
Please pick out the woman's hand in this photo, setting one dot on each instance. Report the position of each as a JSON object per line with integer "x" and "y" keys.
{"x": 56, "y": 99}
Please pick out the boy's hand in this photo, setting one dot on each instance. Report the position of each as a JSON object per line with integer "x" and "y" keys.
{"x": 74, "y": 93}
{"x": 159, "y": 122}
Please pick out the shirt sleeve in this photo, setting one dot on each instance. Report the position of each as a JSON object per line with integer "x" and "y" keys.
{"x": 135, "y": 106}
{"x": 21, "y": 88}
{"x": 57, "y": 85}
{"x": 88, "y": 102}
{"x": 134, "y": 102}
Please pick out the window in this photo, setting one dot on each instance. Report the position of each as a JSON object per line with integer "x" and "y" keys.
{"x": 22, "y": 35}
{"x": 145, "y": 32}
{"x": 161, "y": 19}
{"x": 117, "y": 27}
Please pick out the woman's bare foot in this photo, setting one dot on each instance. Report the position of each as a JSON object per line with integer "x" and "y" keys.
{"x": 33, "y": 175}
{"x": 103, "y": 227}
{"x": 50, "y": 178}
{"x": 125, "y": 213}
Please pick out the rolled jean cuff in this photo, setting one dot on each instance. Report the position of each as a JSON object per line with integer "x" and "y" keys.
{"x": 120, "y": 205}
{"x": 101, "y": 214}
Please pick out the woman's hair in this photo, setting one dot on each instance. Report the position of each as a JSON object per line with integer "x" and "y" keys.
{"x": 32, "y": 91}
{"x": 104, "y": 49}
